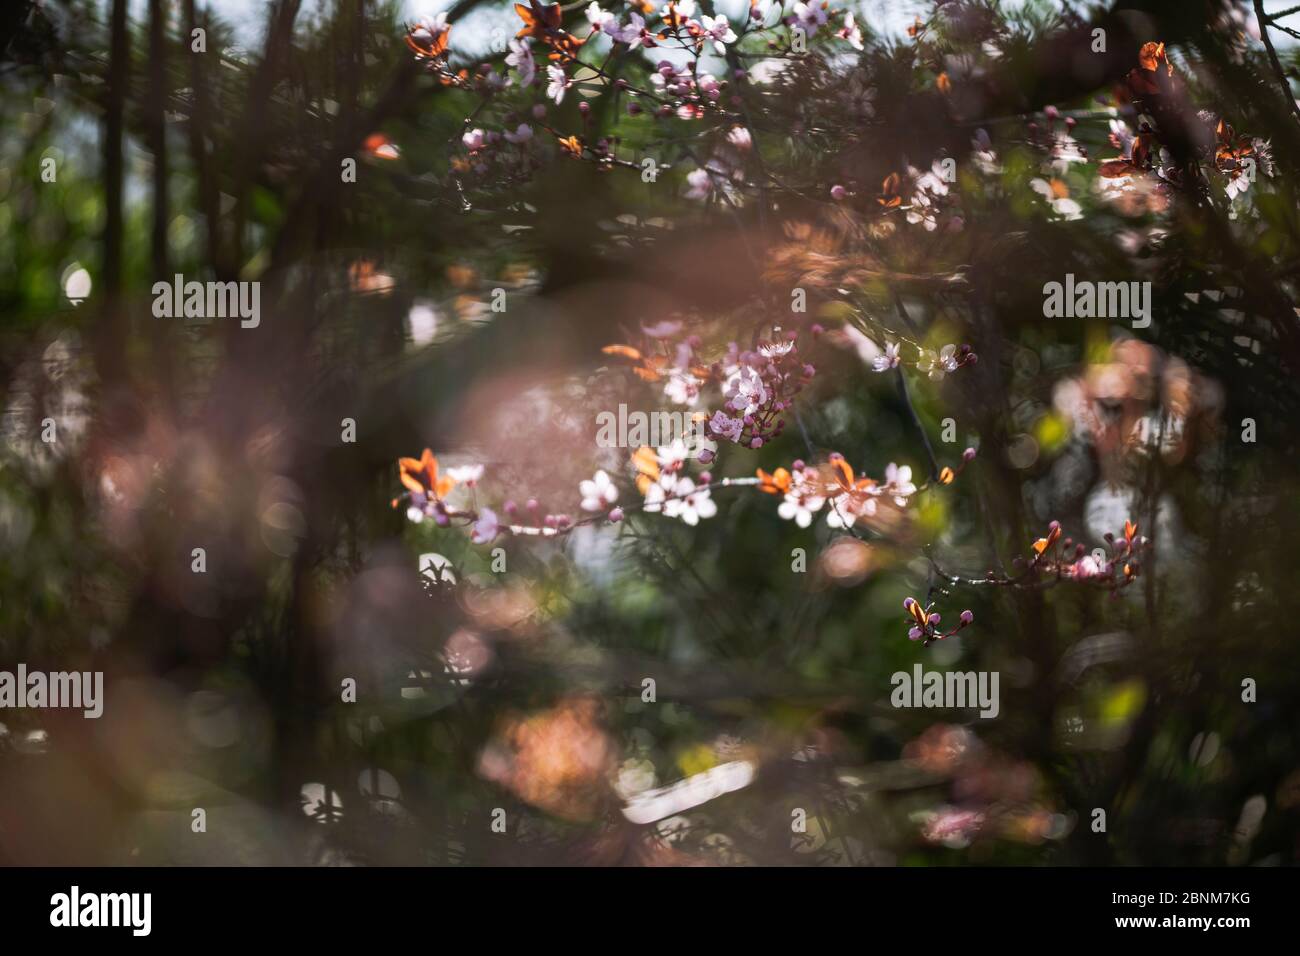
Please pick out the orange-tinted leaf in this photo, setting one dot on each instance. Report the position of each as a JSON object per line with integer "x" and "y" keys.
{"x": 889, "y": 195}
{"x": 778, "y": 482}
{"x": 647, "y": 463}
{"x": 1042, "y": 544}
{"x": 843, "y": 473}
{"x": 431, "y": 46}
{"x": 1150, "y": 55}
{"x": 1115, "y": 168}
{"x": 625, "y": 351}
{"x": 918, "y": 613}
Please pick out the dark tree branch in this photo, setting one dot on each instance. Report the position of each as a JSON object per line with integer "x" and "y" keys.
{"x": 1273, "y": 60}
{"x": 110, "y": 337}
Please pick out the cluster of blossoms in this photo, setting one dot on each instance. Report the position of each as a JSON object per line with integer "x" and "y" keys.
{"x": 427, "y": 489}
{"x": 660, "y": 478}
{"x": 1053, "y": 138}
{"x": 757, "y": 386}
{"x": 925, "y": 198}
{"x": 1116, "y": 566}
{"x": 545, "y": 62}
{"x": 935, "y": 364}
{"x": 666, "y": 488}
{"x": 1238, "y": 157}
{"x": 1153, "y": 90}
{"x": 927, "y": 623}
{"x": 805, "y": 490}
{"x": 675, "y": 89}
{"x": 1056, "y": 558}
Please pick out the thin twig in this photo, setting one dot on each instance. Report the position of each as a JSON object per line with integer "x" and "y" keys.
{"x": 1273, "y": 60}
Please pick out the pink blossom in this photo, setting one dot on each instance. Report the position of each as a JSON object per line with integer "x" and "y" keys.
{"x": 486, "y": 527}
